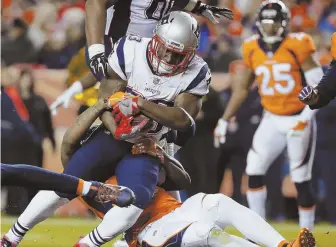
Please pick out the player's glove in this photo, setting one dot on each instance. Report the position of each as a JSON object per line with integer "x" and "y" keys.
{"x": 98, "y": 61}
{"x": 150, "y": 147}
{"x": 65, "y": 98}
{"x": 128, "y": 106}
{"x": 126, "y": 128}
{"x": 220, "y": 132}
{"x": 308, "y": 95}
{"x": 212, "y": 12}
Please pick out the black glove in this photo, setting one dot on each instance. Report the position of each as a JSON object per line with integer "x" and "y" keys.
{"x": 99, "y": 65}
{"x": 212, "y": 12}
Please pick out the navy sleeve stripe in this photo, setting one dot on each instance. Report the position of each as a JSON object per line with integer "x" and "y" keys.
{"x": 121, "y": 55}
{"x": 199, "y": 78}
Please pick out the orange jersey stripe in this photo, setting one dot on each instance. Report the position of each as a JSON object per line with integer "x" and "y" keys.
{"x": 80, "y": 187}
{"x": 333, "y": 46}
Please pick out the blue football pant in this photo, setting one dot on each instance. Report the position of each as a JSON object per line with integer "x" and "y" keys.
{"x": 102, "y": 157}
{"x": 38, "y": 178}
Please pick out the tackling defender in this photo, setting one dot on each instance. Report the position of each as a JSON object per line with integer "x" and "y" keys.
{"x": 322, "y": 94}
{"x": 281, "y": 62}
{"x": 169, "y": 81}
{"x": 200, "y": 220}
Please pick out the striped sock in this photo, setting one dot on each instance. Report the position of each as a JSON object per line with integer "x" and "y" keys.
{"x": 16, "y": 233}
{"x": 93, "y": 239}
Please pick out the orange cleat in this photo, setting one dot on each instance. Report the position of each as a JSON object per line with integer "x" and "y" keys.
{"x": 305, "y": 238}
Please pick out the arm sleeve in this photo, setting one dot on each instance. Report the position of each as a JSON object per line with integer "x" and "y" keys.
{"x": 200, "y": 84}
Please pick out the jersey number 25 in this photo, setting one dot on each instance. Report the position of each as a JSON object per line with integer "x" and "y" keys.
{"x": 279, "y": 73}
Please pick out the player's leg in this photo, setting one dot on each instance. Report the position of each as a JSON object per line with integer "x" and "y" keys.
{"x": 95, "y": 160}
{"x": 268, "y": 143}
{"x": 178, "y": 232}
{"x": 224, "y": 211}
{"x": 140, "y": 174}
{"x": 301, "y": 150}
{"x": 208, "y": 234}
{"x": 41, "y": 179}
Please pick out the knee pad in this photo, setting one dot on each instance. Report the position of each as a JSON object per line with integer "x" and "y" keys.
{"x": 256, "y": 181}
{"x": 256, "y": 164}
{"x": 305, "y": 196}
{"x": 197, "y": 234}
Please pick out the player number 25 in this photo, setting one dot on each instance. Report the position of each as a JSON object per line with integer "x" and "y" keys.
{"x": 280, "y": 74}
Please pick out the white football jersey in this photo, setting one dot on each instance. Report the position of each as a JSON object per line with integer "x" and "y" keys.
{"x": 129, "y": 60}
{"x": 137, "y": 17}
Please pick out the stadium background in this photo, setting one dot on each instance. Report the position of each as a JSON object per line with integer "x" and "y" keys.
{"x": 41, "y": 37}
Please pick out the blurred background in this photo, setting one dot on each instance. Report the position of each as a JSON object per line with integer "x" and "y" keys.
{"x": 38, "y": 40}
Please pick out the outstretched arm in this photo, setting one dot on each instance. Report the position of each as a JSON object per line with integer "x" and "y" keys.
{"x": 73, "y": 135}
{"x": 180, "y": 116}
{"x": 96, "y": 20}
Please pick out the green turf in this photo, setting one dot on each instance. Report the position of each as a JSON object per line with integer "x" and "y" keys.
{"x": 64, "y": 232}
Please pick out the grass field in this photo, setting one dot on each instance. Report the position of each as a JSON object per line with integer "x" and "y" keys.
{"x": 64, "y": 232}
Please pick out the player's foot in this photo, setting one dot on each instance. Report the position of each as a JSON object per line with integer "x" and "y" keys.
{"x": 115, "y": 194}
{"x": 80, "y": 244}
{"x": 305, "y": 238}
{"x": 6, "y": 243}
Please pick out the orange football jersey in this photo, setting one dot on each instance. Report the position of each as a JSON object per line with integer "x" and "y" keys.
{"x": 279, "y": 75}
{"x": 333, "y": 46}
{"x": 162, "y": 204}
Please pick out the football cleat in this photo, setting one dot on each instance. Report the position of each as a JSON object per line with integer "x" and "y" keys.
{"x": 6, "y": 243}
{"x": 305, "y": 238}
{"x": 108, "y": 193}
{"x": 80, "y": 244}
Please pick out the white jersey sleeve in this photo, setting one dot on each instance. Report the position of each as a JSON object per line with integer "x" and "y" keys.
{"x": 122, "y": 56}
{"x": 200, "y": 79}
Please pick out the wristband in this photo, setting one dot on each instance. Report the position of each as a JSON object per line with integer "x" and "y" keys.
{"x": 96, "y": 49}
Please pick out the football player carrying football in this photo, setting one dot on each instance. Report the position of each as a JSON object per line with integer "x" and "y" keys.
{"x": 165, "y": 82}
{"x": 281, "y": 62}
{"x": 108, "y": 20}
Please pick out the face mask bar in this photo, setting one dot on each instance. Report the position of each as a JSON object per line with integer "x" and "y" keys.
{"x": 271, "y": 36}
{"x": 167, "y": 59}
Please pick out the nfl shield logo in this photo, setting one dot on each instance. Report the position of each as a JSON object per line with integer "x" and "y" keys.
{"x": 156, "y": 80}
